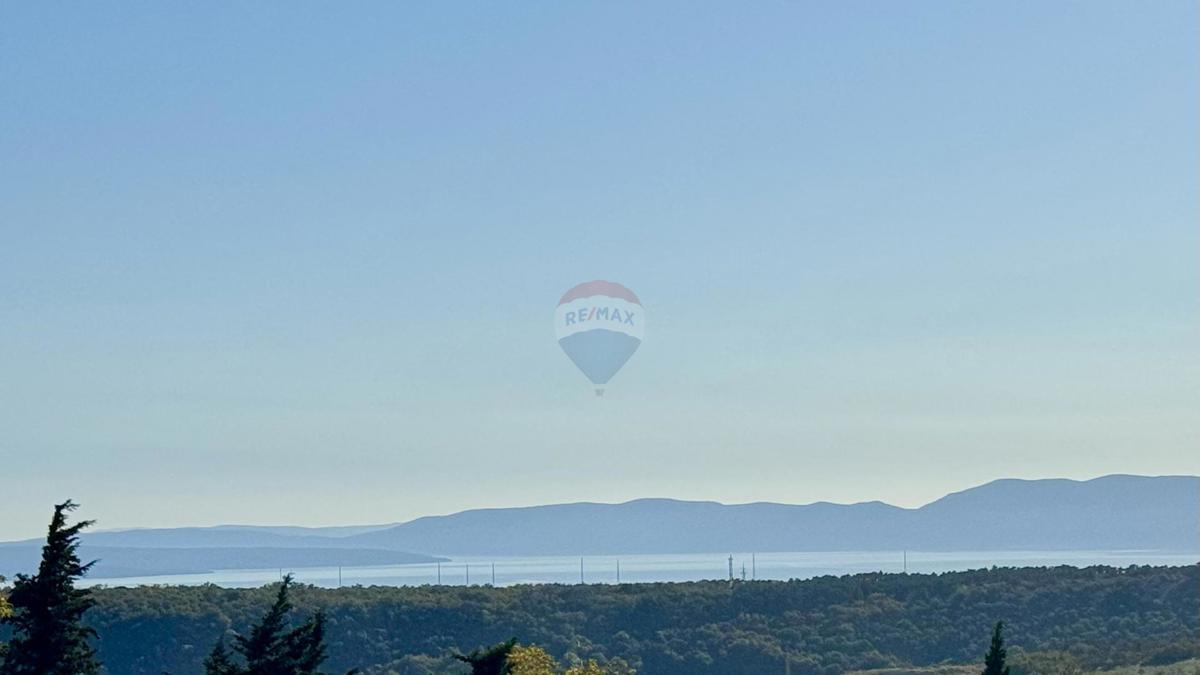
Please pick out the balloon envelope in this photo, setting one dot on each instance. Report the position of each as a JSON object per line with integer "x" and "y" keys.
{"x": 599, "y": 325}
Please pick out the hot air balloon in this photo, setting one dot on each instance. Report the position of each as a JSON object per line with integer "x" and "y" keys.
{"x": 599, "y": 325}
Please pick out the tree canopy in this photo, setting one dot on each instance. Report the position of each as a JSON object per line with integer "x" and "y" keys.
{"x": 1100, "y": 616}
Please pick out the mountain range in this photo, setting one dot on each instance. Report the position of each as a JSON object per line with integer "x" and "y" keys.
{"x": 1117, "y": 512}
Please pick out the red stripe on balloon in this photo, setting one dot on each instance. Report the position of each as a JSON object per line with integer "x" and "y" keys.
{"x": 599, "y": 287}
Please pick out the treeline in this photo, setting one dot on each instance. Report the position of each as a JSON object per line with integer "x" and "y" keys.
{"x": 1062, "y": 618}
{"x": 1101, "y": 616}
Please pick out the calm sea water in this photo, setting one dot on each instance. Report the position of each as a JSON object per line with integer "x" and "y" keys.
{"x": 650, "y": 568}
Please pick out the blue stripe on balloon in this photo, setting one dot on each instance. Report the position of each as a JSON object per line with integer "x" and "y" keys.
{"x": 599, "y": 353}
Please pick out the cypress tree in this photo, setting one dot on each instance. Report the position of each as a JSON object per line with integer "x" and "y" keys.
{"x": 263, "y": 649}
{"x": 49, "y": 637}
{"x": 993, "y": 661}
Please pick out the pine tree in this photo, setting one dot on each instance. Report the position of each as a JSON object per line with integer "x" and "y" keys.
{"x": 272, "y": 649}
{"x": 993, "y": 661}
{"x": 490, "y": 661}
{"x": 49, "y": 637}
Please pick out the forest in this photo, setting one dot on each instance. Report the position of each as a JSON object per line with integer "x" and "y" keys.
{"x": 1096, "y": 617}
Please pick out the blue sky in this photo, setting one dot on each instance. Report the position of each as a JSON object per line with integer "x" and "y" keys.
{"x": 297, "y": 263}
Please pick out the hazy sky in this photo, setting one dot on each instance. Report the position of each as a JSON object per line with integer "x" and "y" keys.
{"x": 297, "y": 263}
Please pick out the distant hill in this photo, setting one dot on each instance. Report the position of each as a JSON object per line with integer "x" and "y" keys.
{"x": 115, "y": 562}
{"x": 1110, "y": 513}
{"x": 220, "y": 536}
{"x": 296, "y": 530}
{"x": 231, "y": 536}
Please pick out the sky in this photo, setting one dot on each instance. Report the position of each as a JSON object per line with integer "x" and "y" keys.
{"x": 297, "y": 263}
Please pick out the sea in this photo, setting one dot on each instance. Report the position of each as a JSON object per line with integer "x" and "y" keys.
{"x": 612, "y": 569}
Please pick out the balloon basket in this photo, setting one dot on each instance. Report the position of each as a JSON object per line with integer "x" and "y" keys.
{"x": 599, "y": 392}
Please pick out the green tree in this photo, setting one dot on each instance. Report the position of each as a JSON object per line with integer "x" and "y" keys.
{"x": 589, "y": 667}
{"x": 533, "y": 660}
{"x": 49, "y": 637}
{"x": 490, "y": 661}
{"x": 993, "y": 661}
{"x": 271, "y": 648}
{"x": 5, "y": 608}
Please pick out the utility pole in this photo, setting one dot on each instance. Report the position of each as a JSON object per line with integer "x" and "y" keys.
{"x": 731, "y": 567}
{"x": 339, "y": 576}
{"x": 493, "y": 574}
{"x": 581, "y": 569}
{"x": 753, "y": 567}
{"x": 439, "y": 573}
{"x": 468, "y": 574}
{"x": 906, "y": 561}
{"x": 743, "y": 571}
{"x": 618, "y": 570}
